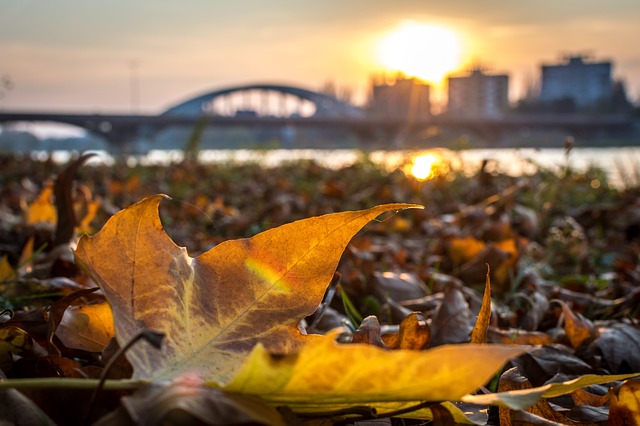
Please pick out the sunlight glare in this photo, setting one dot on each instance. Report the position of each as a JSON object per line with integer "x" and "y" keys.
{"x": 425, "y": 166}
{"x": 426, "y": 51}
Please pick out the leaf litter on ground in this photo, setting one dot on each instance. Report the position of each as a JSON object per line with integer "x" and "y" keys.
{"x": 579, "y": 273}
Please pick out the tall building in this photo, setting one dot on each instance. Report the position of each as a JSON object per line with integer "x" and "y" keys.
{"x": 478, "y": 94}
{"x": 586, "y": 84}
{"x": 403, "y": 98}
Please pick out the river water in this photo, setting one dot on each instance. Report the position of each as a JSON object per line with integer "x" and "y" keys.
{"x": 622, "y": 164}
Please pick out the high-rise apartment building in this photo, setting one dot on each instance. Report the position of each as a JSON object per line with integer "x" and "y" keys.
{"x": 478, "y": 94}
{"x": 405, "y": 98}
{"x": 585, "y": 83}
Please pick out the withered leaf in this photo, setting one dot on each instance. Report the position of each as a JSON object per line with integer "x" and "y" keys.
{"x": 369, "y": 332}
{"x": 512, "y": 380}
{"x": 481, "y": 328}
{"x": 452, "y": 320}
{"x": 625, "y": 404}
{"x": 577, "y": 328}
{"x": 63, "y": 190}
{"x": 619, "y": 344}
{"x": 216, "y": 307}
{"x": 86, "y": 327}
{"x": 42, "y": 210}
{"x": 414, "y": 334}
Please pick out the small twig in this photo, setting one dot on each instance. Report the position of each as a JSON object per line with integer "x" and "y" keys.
{"x": 405, "y": 410}
{"x": 363, "y": 411}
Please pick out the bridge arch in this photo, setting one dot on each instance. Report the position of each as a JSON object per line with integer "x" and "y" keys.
{"x": 325, "y": 106}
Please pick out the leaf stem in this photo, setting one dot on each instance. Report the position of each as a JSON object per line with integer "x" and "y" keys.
{"x": 64, "y": 383}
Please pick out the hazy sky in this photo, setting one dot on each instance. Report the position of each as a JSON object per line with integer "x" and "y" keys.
{"x": 82, "y": 55}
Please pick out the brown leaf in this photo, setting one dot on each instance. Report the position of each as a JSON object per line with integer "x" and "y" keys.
{"x": 462, "y": 250}
{"x": 625, "y": 404}
{"x": 55, "y": 313}
{"x": 414, "y": 334}
{"x": 474, "y": 270}
{"x": 216, "y": 307}
{"x": 63, "y": 190}
{"x": 512, "y": 380}
{"x": 86, "y": 327}
{"x": 518, "y": 337}
{"x": 451, "y": 322}
{"x": 481, "y": 329}
{"x": 397, "y": 286}
{"x": 369, "y": 332}
{"x": 532, "y": 307}
{"x": 542, "y": 363}
{"x": 577, "y": 328}
{"x": 583, "y": 397}
{"x": 619, "y": 345}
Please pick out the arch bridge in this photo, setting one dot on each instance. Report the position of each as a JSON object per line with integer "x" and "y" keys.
{"x": 265, "y": 100}
{"x": 256, "y": 106}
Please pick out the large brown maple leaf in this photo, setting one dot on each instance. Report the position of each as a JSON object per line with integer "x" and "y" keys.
{"x": 216, "y": 307}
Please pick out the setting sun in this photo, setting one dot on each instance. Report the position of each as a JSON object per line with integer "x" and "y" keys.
{"x": 426, "y": 51}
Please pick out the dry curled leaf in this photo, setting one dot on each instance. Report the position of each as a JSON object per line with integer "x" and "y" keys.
{"x": 414, "y": 334}
{"x": 86, "y": 327}
{"x": 481, "y": 328}
{"x": 216, "y": 307}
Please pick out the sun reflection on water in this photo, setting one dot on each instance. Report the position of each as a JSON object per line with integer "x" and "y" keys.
{"x": 426, "y": 166}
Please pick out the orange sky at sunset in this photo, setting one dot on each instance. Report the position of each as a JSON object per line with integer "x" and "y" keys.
{"x": 70, "y": 55}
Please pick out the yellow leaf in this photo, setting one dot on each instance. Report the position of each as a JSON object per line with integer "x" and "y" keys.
{"x": 481, "y": 328}
{"x": 462, "y": 250}
{"x": 25, "y": 263}
{"x": 501, "y": 272}
{"x": 6, "y": 270}
{"x": 13, "y": 340}
{"x": 84, "y": 225}
{"x": 625, "y": 404}
{"x": 577, "y": 328}
{"x": 86, "y": 327}
{"x": 414, "y": 333}
{"x": 42, "y": 209}
{"x": 324, "y": 372}
{"x": 214, "y": 308}
{"x": 521, "y": 399}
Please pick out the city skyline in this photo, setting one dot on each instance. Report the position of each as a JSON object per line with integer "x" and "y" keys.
{"x": 144, "y": 56}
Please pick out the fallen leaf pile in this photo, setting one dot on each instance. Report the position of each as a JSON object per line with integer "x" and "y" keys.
{"x": 308, "y": 295}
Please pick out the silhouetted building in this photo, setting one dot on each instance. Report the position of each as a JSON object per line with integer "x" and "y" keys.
{"x": 478, "y": 94}
{"x": 404, "y": 98}
{"x": 577, "y": 83}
